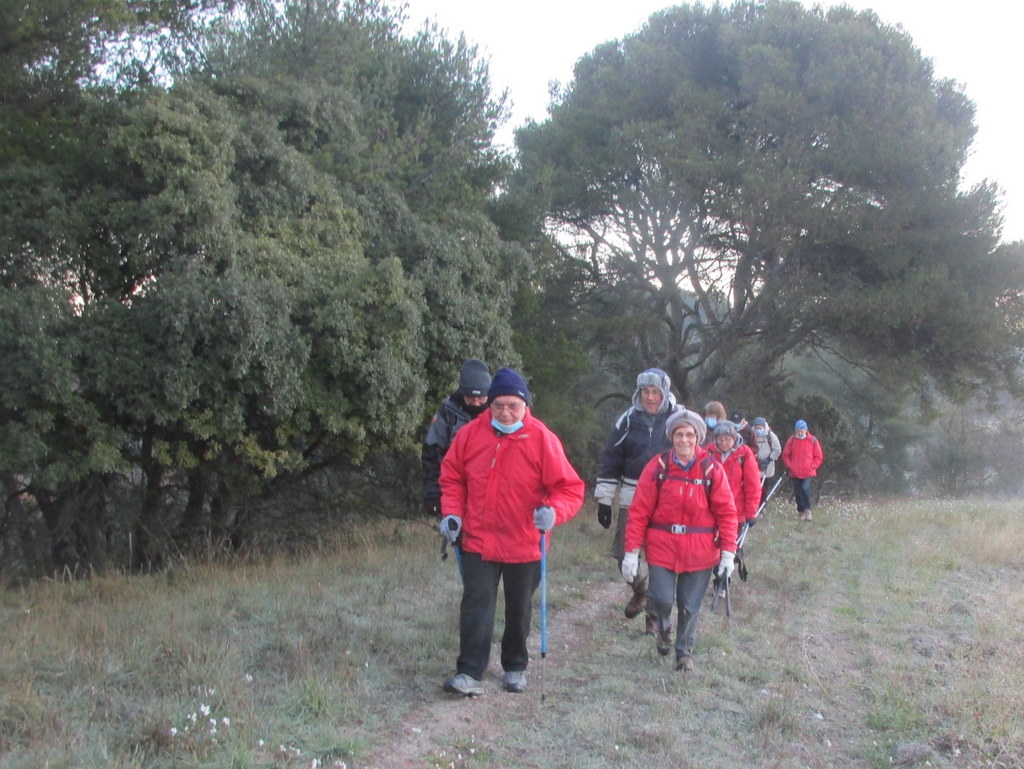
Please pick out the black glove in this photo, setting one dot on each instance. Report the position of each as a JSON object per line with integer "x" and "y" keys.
{"x": 751, "y": 522}
{"x": 604, "y": 515}
{"x": 432, "y": 507}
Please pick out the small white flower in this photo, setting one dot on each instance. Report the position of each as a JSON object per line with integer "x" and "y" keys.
{"x": 204, "y": 709}
{"x": 174, "y": 731}
{"x": 226, "y": 721}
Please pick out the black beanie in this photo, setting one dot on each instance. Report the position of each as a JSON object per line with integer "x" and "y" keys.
{"x": 474, "y": 378}
{"x": 508, "y": 382}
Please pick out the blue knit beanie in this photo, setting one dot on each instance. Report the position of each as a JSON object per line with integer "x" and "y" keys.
{"x": 508, "y": 382}
{"x": 800, "y": 425}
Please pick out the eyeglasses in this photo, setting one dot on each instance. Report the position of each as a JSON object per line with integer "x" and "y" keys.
{"x": 511, "y": 406}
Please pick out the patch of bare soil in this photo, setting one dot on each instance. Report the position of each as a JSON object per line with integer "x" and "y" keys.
{"x": 426, "y": 731}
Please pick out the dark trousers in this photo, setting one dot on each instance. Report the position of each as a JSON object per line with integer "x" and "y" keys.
{"x": 686, "y": 591}
{"x": 802, "y": 493}
{"x": 479, "y": 603}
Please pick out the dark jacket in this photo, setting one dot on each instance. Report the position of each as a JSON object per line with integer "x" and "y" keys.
{"x": 450, "y": 416}
{"x": 636, "y": 437}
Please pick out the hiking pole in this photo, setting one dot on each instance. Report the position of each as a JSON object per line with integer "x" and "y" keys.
{"x": 452, "y": 526}
{"x": 765, "y": 502}
{"x": 543, "y": 608}
{"x": 743, "y": 535}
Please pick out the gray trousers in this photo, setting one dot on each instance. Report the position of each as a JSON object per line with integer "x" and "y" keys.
{"x": 685, "y": 590}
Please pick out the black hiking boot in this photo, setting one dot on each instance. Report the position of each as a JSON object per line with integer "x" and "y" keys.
{"x": 636, "y": 603}
{"x": 650, "y": 624}
{"x": 664, "y": 642}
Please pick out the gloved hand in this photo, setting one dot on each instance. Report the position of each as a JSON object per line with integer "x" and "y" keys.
{"x": 544, "y": 518}
{"x": 451, "y": 527}
{"x": 604, "y": 514}
{"x": 630, "y": 565}
{"x": 725, "y": 565}
{"x": 751, "y": 522}
{"x": 432, "y": 507}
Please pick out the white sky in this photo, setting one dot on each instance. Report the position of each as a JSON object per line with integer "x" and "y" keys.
{"x": 530, "y": 43}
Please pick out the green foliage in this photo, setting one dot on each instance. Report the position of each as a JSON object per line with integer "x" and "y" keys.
{"x": 764, "y": 179}
{"x": 261, "y": 272}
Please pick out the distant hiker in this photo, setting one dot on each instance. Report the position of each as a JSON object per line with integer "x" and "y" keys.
{"x": 683, "y": 514}
{"x": 504, "y": 478}
{"x": 714, "y": 412}
{"x": 740, "y": 466}
{"x": 802, "y": 456}
{"x": 766, "y": 446}
{"x": 463, "y": 405}
{"x": 742, "y": 427}
{"x": 638, "y": 435}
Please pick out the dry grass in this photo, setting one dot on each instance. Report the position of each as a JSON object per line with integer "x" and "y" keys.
{"x": 885, "y": 633}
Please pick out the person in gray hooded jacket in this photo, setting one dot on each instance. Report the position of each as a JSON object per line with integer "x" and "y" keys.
{"x": 638, "y": 435}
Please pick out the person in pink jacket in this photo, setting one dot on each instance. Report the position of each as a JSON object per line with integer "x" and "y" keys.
{"x": 504, "y": 477}
{"x": 802, "y": 456}
{"x": 684, "y": 516}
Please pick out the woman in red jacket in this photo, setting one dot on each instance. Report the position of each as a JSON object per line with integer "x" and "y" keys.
{"x": 684, "y": 516}
{"x": 505, "y": 476}
{"x": 740, "y": 464}
{"x": 802, "y": 457}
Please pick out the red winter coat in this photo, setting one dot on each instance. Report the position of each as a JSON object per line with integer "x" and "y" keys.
{"x": 680, "y": 501}
{"x": 744, "y": 480}
{"x": 496, "y": 481}
{"x": 802, "y": 456}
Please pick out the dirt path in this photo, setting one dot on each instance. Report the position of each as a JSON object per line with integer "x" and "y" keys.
{"x": 418, "y": 740}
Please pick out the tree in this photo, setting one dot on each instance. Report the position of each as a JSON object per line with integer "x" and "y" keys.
{"x": 749, "y": 182}
{"x": 244, "y": 278}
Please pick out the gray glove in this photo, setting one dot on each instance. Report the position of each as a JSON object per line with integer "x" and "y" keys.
{"x": 451, "y": 527}
{"x": 544, "y": 518}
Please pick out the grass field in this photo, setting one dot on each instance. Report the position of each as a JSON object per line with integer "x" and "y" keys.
{"x": 884, "y": 633}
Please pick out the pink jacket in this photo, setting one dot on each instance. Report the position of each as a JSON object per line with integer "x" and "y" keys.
{"x": 684, "y": 503}
{"x": 744, "y": 480}
{"x": 803, "y": 456}
{"x": 495, "y": 482}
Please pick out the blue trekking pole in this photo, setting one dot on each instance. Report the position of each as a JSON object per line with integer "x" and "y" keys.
{"x": 543, "y": 608}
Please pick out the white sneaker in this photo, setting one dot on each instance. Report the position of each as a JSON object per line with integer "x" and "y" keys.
{"x": 463, "y": 684}
{"x": 515, "y": 681}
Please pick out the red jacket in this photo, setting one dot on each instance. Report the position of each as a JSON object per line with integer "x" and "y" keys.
{"x": 680, "y": 501}
{"x": 803, "y": 456}
{"x": 496, "y": 481}
{"x": 744, "y": 480}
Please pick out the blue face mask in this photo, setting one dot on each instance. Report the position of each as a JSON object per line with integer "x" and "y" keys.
{"x": 507, "y": 429}
{"x": 760, "y": 430}
{"x": 711, "y": 421}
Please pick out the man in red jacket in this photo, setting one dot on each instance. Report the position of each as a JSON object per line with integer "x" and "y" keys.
{"x": 504, "y": 478}
{"x": 802, "y": 457}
